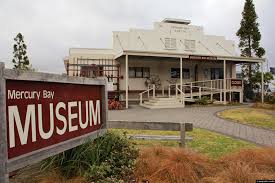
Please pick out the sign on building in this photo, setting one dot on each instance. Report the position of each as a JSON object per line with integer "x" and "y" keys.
{"x": 236, "y": 82}
{"x": 45, "y": 114}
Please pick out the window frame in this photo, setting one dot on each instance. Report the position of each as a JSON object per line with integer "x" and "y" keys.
{"x": 177, "y": 69}
{"x": 141, "y": 69}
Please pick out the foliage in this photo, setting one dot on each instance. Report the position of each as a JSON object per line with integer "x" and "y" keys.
{"x": 114, "y": 105}
{"x": 109, "y": 158}
{"x": 20, "y": 59}
{"x": 269, "y": 98}
{"x": 204, "y": 100}
{"x": 250, "y": 36}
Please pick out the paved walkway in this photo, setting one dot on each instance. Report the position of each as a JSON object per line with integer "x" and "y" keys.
{"x": 201, "y": 117}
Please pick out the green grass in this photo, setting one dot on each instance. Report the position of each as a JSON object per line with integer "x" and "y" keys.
{"x": 253, "y": 116}
{"x": 204, "y": 141}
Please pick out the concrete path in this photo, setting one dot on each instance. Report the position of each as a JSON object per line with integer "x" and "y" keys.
{"x": 201, "y": 117}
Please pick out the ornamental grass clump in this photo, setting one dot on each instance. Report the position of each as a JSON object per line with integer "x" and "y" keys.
{"x": 109, "y": 158}
{"x": 177, "y": 165}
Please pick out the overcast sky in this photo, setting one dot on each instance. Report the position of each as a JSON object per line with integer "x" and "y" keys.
{"x": 51, "y": 27}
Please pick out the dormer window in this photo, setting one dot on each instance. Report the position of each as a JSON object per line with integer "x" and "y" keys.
{"x": 170, "y": 43}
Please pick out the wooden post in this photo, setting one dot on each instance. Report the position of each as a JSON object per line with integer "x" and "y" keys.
{"x": 262, "y": 84}
{"x": 126, "y": 79}
{"x": 176, "y": 90}
{"x": 181, "y": 95}
{"x": 4, "y": 176}
{"x": 154, "y": 91}
{"x": 148, "y": 93}
{"x": 169, "y": 91}
{"x": 191, "y": 91}
{"x": 224, "y": 82}
{"x": 182, "y": 135}
{"x": 211, "y": 86}
{"x": 140, "y": 98}
{"x": 200, "y": 92}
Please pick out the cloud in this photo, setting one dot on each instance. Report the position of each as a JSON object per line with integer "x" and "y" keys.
{"x": 52, "y": 27}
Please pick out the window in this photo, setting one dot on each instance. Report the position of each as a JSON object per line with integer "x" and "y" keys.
{"x": 139, "y": 72}
{"x": 175, "y": 73}
{"x": 216, "y": 73}
{"x": 190, "y": 45}
{"x": 186, "y": 73}
{"x": 170, "y": 43}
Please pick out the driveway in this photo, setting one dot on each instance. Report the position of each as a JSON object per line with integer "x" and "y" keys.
{"x": 201, "y": 117}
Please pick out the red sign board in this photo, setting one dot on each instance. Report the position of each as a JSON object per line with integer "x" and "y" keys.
{"x": 42, "y": 114}
{"x": 236, "y": 82}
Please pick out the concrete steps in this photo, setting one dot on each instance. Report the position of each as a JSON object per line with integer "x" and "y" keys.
{"x": 162, "y": 103}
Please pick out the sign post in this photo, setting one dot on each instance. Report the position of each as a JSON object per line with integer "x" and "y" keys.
{"x": 46, "y": 114}
{"x": 4, "y": 176}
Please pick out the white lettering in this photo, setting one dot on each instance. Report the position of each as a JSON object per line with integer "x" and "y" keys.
{"x": 85, "y": 124}
{"x": 72, "y": 116}
{"x": 94, "y": 114}
{"x": 45, "y": 135}
{"x": 14, "y": 117}
{"x": 61, "y": 118}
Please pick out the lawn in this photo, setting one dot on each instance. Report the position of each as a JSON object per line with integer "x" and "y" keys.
{"x": 253, "y": 116}
{"x": 204, "y": 141}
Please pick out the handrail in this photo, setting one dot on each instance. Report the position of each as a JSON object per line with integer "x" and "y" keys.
{"x": 182, "y": 95}
{"x": 147, "y": 91}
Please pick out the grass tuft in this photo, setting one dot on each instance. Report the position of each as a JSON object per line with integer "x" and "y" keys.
{"x": 177, "y": 165}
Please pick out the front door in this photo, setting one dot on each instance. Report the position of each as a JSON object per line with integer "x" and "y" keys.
{"x": 196, "y": 72}
{"x": 216, "y": 73}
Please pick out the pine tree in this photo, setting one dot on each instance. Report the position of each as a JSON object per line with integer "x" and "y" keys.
{"x": 20, "y": 59}
{"x": 250, "y": 36}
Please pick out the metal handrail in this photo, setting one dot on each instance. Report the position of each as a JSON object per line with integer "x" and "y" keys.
{"x": 147, "y": 91}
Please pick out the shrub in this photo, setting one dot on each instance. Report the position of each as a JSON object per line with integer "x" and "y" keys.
{"x": 114, "y": 105}
{"x": 264, "y": 106}
{"x": 109, "y": 158}
{"x": 203, "y": 101}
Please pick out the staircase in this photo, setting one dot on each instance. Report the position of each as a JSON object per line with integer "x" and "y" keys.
{"x": 188, "y": 92}
{"x": 161, "y": 102}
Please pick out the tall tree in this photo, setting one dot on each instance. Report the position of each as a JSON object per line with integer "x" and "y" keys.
{"x": 250, "y": 36}
{"x": 20, "y": 59}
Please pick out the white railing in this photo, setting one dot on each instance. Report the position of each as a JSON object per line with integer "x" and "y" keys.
{"x": 210, "y": 86}
{"x": 182, "y": 95}
{"x": 215, "y": 84}
{"x": 150, "y": 88}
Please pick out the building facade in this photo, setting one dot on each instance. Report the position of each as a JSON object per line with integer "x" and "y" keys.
{"x": 174, "y": 57}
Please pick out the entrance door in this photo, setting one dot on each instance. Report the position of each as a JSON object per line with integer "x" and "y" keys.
{"x": 216, "y": 73}
{"x": 196, "y": 72}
